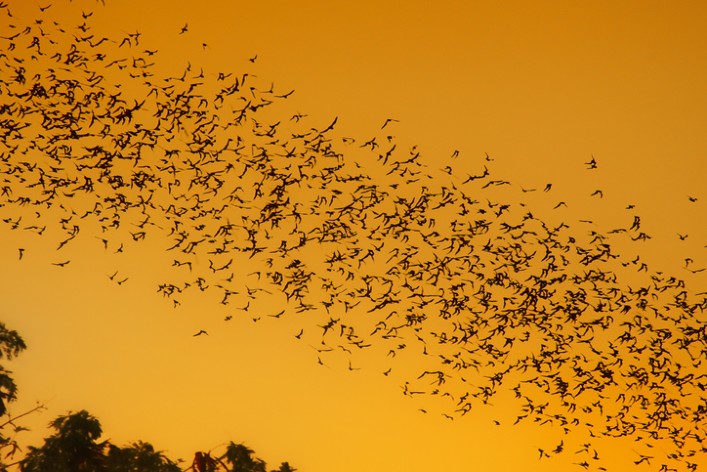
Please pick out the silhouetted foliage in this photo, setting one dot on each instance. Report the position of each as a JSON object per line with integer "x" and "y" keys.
{"x": 237, "y": 458}
{"x": 285, "y": 467}
{"x": 75, "y": 447}
{"x": 241, "y": 459}
{"x": 72, "y": 448}
{"x": 11, "y": 344}
{"x": 139, "y": 456}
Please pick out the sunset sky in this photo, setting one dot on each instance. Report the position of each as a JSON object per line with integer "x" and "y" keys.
{"x": 541, "y": 87}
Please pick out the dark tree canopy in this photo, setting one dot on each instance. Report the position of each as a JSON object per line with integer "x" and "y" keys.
{"x": 236, "y": 458}
{"x": 72, "y": 448}
{"x": 138, "y": 456}
{"x": 75, "y": 446}
{"x": 11, "y": 344}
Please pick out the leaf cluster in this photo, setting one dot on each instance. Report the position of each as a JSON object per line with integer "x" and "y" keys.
{"x": 11, "y": 344}
{"x": 75, "y": 447}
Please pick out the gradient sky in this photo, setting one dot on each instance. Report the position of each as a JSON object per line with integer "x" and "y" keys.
{"x": 540, "y": 86}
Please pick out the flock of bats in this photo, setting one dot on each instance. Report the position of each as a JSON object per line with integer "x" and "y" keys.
{"x": 370, "y": 245}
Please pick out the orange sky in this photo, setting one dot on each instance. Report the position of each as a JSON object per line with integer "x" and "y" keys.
{"x": 540, "y": 86}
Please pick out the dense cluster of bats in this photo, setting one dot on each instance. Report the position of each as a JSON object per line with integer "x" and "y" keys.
{"x": 374, "y": 247}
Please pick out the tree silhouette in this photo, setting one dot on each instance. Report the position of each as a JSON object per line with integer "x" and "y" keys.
{"x": 75, "y": 447}
{"x": 236, "y": 458}
{"x": 138, "y": 456}
{"x": 241, "y": 459}
{"x": 72, "y": 448}
{"x": 285, "y": 467}
{"x": 11, "y": 344}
